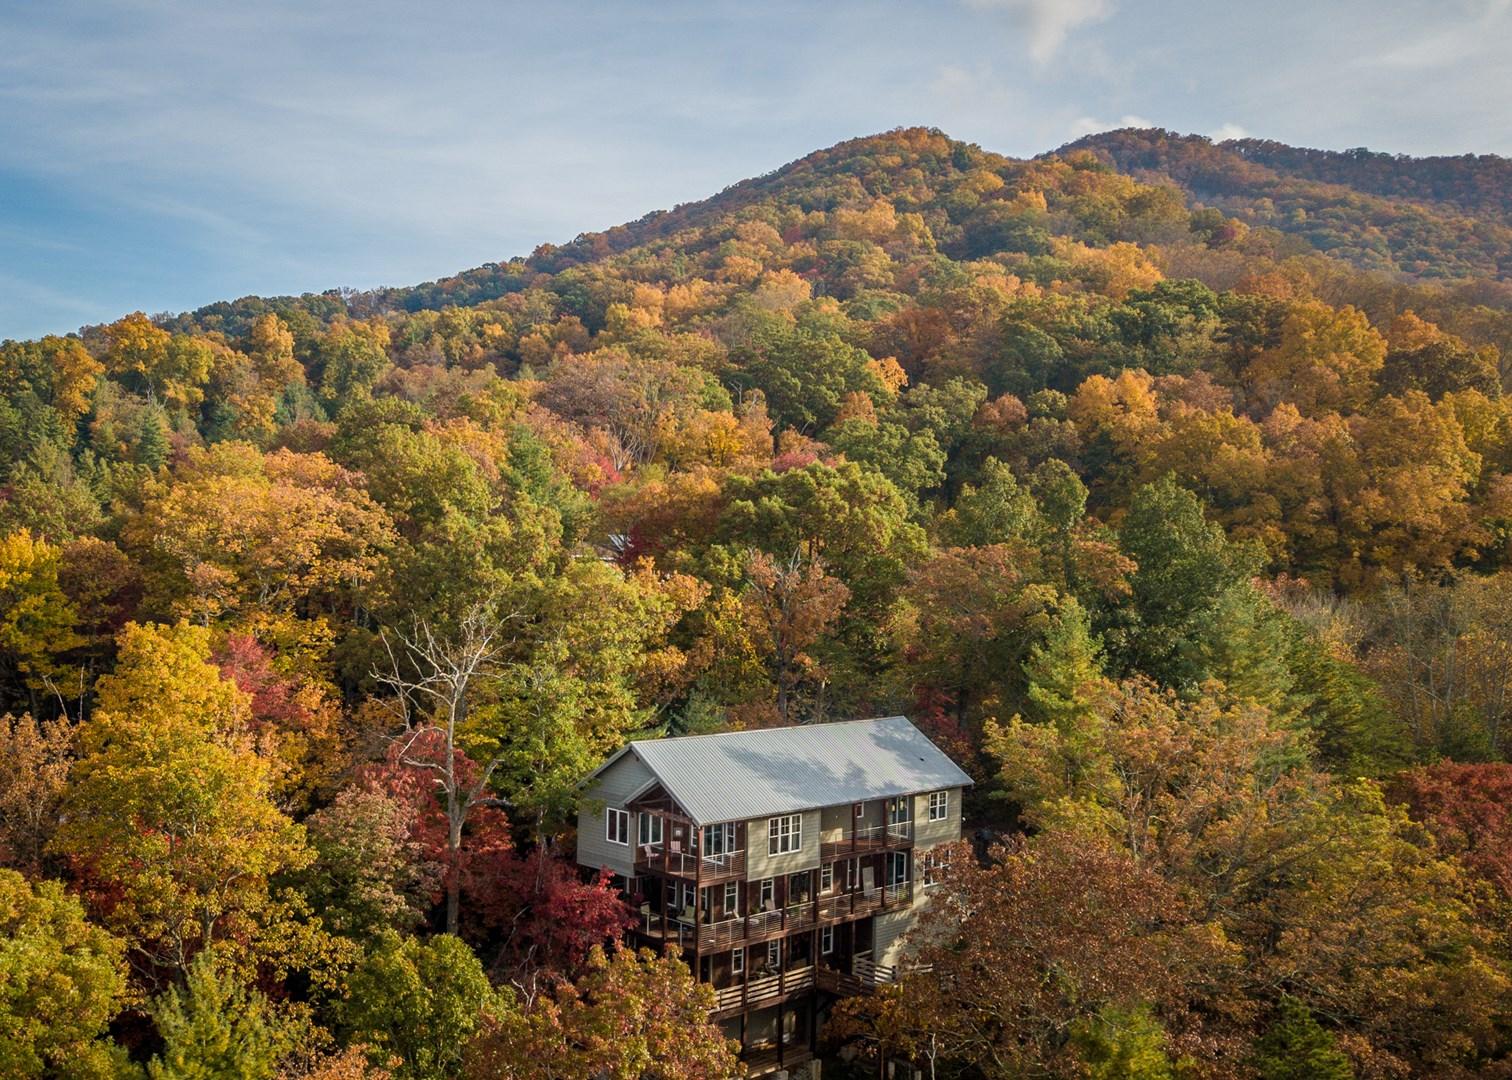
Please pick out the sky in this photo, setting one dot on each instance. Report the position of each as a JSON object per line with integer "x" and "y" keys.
{"x": 158, "y": 155}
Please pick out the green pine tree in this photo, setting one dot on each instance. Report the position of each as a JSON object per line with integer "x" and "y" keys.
{"x": 214, "y": 1028}
{"x": 1297, "y": 1047}
{"x": 152, "y": 439}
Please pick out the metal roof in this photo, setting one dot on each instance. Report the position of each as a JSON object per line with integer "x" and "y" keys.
{"x": 737, "y": 775}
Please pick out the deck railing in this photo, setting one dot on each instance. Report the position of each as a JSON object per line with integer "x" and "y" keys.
{"x": 727, "y": 933}
{"x": 870, "y": 838}
{"x": 689, "y": 864}
{"x": 763, "y": 988}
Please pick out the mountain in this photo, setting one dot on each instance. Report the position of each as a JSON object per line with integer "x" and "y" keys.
{"x": 1443, "y": 217}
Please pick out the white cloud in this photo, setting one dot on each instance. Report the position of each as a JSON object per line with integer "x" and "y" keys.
{"x": 1227, "y": 131}
{"x": 1088, "y": 125}
{"x": 1047, "y": 23}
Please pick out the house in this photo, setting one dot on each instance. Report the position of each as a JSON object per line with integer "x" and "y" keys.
{"x": 786, "y": 863}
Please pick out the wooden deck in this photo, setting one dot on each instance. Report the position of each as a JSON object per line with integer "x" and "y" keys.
{"x": 867, "y": 841}
{"x": 764, "y": 925}
{"x": 764, "y": 1060}
{"x": 709, "y": 869}
{"x": 760, "y": 991}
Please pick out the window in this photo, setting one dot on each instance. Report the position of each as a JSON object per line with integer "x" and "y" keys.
{"x": 852, "y": 873}
{"x": 939, "y": 805}
{"x": 737, "y": 960}
{"x": 899, "y": 810}
{"x": 617, "y": 826}
{"x": 931, "y": 863}
{"x": 719, "y": 839}
{"x": 650, "y": 828}
{"x": 785, "y": 834}
{"x": 897, "y": 867}
{"x": 827, "y": 940}
{"x": 774, "y": 954}
{"x": 731, "y": 897}
{"x": 768, "y": 894}
{"x": 826, "y": 877}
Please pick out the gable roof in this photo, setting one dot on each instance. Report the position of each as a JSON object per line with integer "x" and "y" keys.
{"x": 737, "y": 775}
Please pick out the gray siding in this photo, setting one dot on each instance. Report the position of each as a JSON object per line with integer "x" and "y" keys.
{"x": 929, "y": 833}
{"x": 611, "y": 788}
{"x": 761, "y": 865}
{"x": 892, "y": 926}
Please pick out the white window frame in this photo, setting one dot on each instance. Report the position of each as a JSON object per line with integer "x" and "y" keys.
{"x": 737, "y": 960}
{"x": 826, "y": 877}
{"x": 774, "y": 953}
{"x": 731, "y": 897}
{"x": 939, "y": 805}
{"x": 649, "y": 829}
{"x": 617, "y": 826}
{"x": 785, "y": 834}
{"x": 900, "y": 810}
{"x": 768, "y": 893}
{"x": 826, "y": 940}
{"x": 931, "y": 863}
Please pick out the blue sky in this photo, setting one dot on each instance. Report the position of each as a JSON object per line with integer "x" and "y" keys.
{"x": 161, "y": 154}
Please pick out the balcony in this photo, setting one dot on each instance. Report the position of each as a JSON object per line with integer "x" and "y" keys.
{"x": 867, "y": 840}
{"x": 761, "y": 990}
{"x": 863, "y": 977}
{"x": 683, "y": 931}
{"x": 670, "y": 861}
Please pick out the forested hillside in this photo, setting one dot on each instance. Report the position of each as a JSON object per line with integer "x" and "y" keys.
{"x": 1167, "y": 485}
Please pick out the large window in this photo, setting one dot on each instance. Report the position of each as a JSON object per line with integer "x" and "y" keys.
{"x": 939, "y": 805}
{"x": 617, "y": 826}
{"x": 650, "y": 828}
{"x": 719, "y": 839}
{"x": 899, "y": 810}
{"x": 785, "y": 834}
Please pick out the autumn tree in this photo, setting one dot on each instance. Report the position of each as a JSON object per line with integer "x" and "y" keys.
{"x": 39, "y": 755}
{"x": 61, "y": 981}
{"x": 632, "y": 1014}
{"x": 790, "y": 605}
{"x": 168, "y": 818}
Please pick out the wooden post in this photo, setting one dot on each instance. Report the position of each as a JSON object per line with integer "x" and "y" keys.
{"x": 697, "y": 850}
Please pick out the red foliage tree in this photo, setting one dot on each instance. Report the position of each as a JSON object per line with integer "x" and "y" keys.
{"x": 1468, "y": 808}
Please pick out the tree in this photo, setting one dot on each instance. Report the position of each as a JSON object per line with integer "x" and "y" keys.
{"x": 791, "y": 606}
{"x": 1468, "y": 809}
{"x": 1326, "y": 359}
{"x": 1185, "y": 566}
{"x": 36, "y": 619}
{"x": 168, "y": 817}
{"x": 369, "y": 873}
{"x": 1090, "y": 932}
{"x": 435, "y": 681}
{"x": 38, "y": 756}
{"x": 213, "y": 1027}
{"x": 1297, "y": 1047}
{"x": 61, "y": 982}
{"x": 631, "y": 1016}
{"x": 964, "y": 620}
{"x": 237, "y": 532}
{"x": 420, "y": 1001}
{"x": 545, "y": 918}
